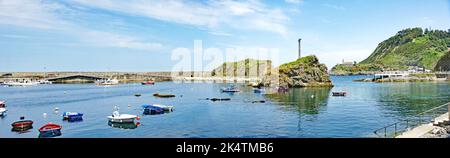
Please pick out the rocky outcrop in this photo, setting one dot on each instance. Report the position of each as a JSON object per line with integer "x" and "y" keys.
{"x": 305, "y": 72}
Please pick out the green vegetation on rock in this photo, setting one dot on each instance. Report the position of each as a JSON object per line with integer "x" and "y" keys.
{"x": 304, "y": 72}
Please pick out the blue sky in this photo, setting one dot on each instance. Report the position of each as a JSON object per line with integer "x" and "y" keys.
{"x": 136, "y": 35}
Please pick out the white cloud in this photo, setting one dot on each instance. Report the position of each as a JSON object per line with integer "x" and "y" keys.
{"x": 251, "y": 14}
{"x": 337, "y": 7}
{"x": 28, "y": 13}
{"x": 106, "y": 39}
{"x": 14, "y": 36}
{"x": 294, "y": 1}
{"x": 47, "y": 15}
{"x": 217, "y": 33}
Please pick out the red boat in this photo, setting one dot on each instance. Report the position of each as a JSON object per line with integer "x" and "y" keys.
{"x": 50, "y": 127}
{"x": 148, "y": 83}
{"x": 22, "y": 124}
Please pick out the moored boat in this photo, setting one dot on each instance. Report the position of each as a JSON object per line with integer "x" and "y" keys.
{"x": 50, "y": 130}
{"x": 339, "y": 94}
{"x": 2, "y": 108}
{"x": 45, "y": 82}
{"x": 72, "y": 116}
{"x": 163, "y": 95}
{"x": 231, "y": 89}
{"x": 152, "y": 110}
{"x": 148, "y": 83}
{"x": 107, "y": 82}
{"x": 137, "y": 95}
{"x": 218, "y": 99}
{"x": 116, "y": 117}
{"x": 22, "y": 124}
{"x": 164, "y": 107}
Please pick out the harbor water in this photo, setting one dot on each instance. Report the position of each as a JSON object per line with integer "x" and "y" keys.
{"x": 299, "y": 113}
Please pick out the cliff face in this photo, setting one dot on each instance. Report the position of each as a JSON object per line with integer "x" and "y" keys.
{"x": 305, "y": 72}
{"x": 444, "y": 63}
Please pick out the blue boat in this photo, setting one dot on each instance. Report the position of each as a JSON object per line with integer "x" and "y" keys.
{"x": 72, "y": 116}
{"x": 152, "y": 110}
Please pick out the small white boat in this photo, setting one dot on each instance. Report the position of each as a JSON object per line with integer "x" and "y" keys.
{"x": 121, "y": 118}
{"x": 164, "y": 107}
{"x": 107, "y": 82}
{"x": 45, "y": 82}
{"x": 21, "y": 83}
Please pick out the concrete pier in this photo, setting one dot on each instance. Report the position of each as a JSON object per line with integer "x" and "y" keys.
{"x": 422, "y": 130}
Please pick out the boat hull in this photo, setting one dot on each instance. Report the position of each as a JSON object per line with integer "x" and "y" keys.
{"x": 164, "y": 95}
{"x": 22, "y": 124}
{"x": 339, "y": 94}
{"x": 153, "y": 111}
{"x": 2, "y": 111}
{"x": 130, "y": 125}
{"x": 119, "y": 120}
{"x": 50, "y": 130}
{"x": 50, "y": 133}
{"x": 73, "y": 117}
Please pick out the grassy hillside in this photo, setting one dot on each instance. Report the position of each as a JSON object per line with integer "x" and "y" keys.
{"x": 408, "y": 48}
{"x": 411, "y": 47}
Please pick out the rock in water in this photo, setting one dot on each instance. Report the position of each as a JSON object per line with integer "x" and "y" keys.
{"x": 305, "y": 72}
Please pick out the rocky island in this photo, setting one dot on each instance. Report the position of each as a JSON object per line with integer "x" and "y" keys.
{"x": 304, "y": 72}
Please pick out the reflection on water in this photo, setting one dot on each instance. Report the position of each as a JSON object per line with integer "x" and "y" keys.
{"x": 303, "y": 100}
{"x": 50, "y": 134}
{"x": 307, "y": 112}
{"x": 130, "y": 125}
{"x": 19, "y": 130}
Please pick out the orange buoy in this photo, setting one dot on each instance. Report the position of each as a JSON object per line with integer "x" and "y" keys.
{"x": 138, "y": 118}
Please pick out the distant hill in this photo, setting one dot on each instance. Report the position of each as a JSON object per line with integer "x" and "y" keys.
{"x": 408, "y": 48}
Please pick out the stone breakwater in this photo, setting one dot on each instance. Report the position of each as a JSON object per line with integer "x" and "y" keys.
{"x": 121, "y": 76}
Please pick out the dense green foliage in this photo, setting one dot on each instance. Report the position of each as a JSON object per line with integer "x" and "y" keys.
{"x": 411, "y": 47}
{"x": 408, "y": 48}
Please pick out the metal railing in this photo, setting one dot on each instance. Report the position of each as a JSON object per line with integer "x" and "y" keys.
{"x": 395, "y": 129}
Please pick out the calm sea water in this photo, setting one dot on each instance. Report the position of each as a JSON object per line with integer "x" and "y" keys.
{"x": 310, "y": 112}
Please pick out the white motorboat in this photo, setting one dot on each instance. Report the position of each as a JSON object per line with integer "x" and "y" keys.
{"x": 121, "y": 118}
{"x": 2, "y": 108}
{"x": 164, "y": 107}
{"x": 107, "y": 82}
